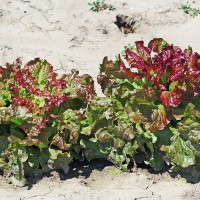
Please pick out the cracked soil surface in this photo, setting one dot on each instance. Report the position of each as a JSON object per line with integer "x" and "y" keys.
{"x": 69, "y": 35}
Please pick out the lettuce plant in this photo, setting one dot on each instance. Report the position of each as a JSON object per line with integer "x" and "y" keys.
{"x": 40, "y": 116}
{"x": 157, "y": 90}
{"x": 150, "y": 113}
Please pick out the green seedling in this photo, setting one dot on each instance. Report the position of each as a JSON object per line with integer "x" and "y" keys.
{"x": 100, "y": 5}
{"x": 111, "y": 7}
{"x": 186, "y": 7}
{"x": 193, "y": 12}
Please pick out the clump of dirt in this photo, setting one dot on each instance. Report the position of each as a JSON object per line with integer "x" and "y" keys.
{"x": 127, "y": 24}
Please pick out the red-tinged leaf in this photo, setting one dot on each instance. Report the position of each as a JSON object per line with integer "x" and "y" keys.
{"x": 193, "y": 67}
{"x": 59, "y": 142}
{"x": 146, "y": 93}
{"x": 194, "y": 61}
{"x": 171, "y": 98}
{"x": 36, "y": 65}
{"x": 159, "y": 119}
{"x": 153, "y": 73}
{"x": 134, "y": 60}
{"x": 157, "y": 44}
{"x": 122, "y": 69}
{"x": 108, "y": 66}
{"x": 6, "y": 72}
{"x": 131, "y": 75}
{"x": 177, "y": 75}
{"x": 121, "y": 65}
{"x": 73, "y": 137}
{"x": 34, "y": 126}
{"x": 190, "y": 91}
{"x": 23, "y": 102}
{"x": 143, "y": 52}
{"x": 161, "y": 87}
{"x": 19, "y": 78}
{"x": 137, "y": 117}
{"x": 164, "y": 59}
{"x": 178, "y": 60}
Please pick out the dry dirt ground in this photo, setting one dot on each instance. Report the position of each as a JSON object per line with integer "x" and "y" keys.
{"x": 69, "y": 35}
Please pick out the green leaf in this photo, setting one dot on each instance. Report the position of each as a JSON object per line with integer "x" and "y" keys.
{"x": 180, "y": 153}
{"x": 119, "y": 159}
{"x": 129, "y": 149}
{"x": 5, "y": 98}
{"x": 21, "y": 114}
{"x": 16, "y": 120}
{"x": 118, "y": 143}
{"x": 115, "y": 171}
{"x": 189, "y": 129}
{"x": 156, "y": 160}
{"x": 60, "y": 159}
{"x": 41, "y": 80}
{"x": 104, "y": 136}
{"x": 3, "y": 144}
{"x": 91, "y": 4}
{"x": 95, "y": 149}
{"x": 40, "y": 101}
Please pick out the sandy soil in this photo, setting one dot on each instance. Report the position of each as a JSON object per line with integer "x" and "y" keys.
{"x": 98, "y": 180}
{"x": 69, "y": 35}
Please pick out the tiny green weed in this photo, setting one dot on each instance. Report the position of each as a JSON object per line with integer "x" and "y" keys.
{"x": 193, "y": 12}
{"x": 186, "y": 7}
{"x": 99, "y": 5}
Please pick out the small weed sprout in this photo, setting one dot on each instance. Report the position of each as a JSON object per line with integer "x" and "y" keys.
{"x": 193, "y": 12}
{"x": 186, "y": 7}
{"x": 111, "y": 7}
{"x": 99, "y": 5}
